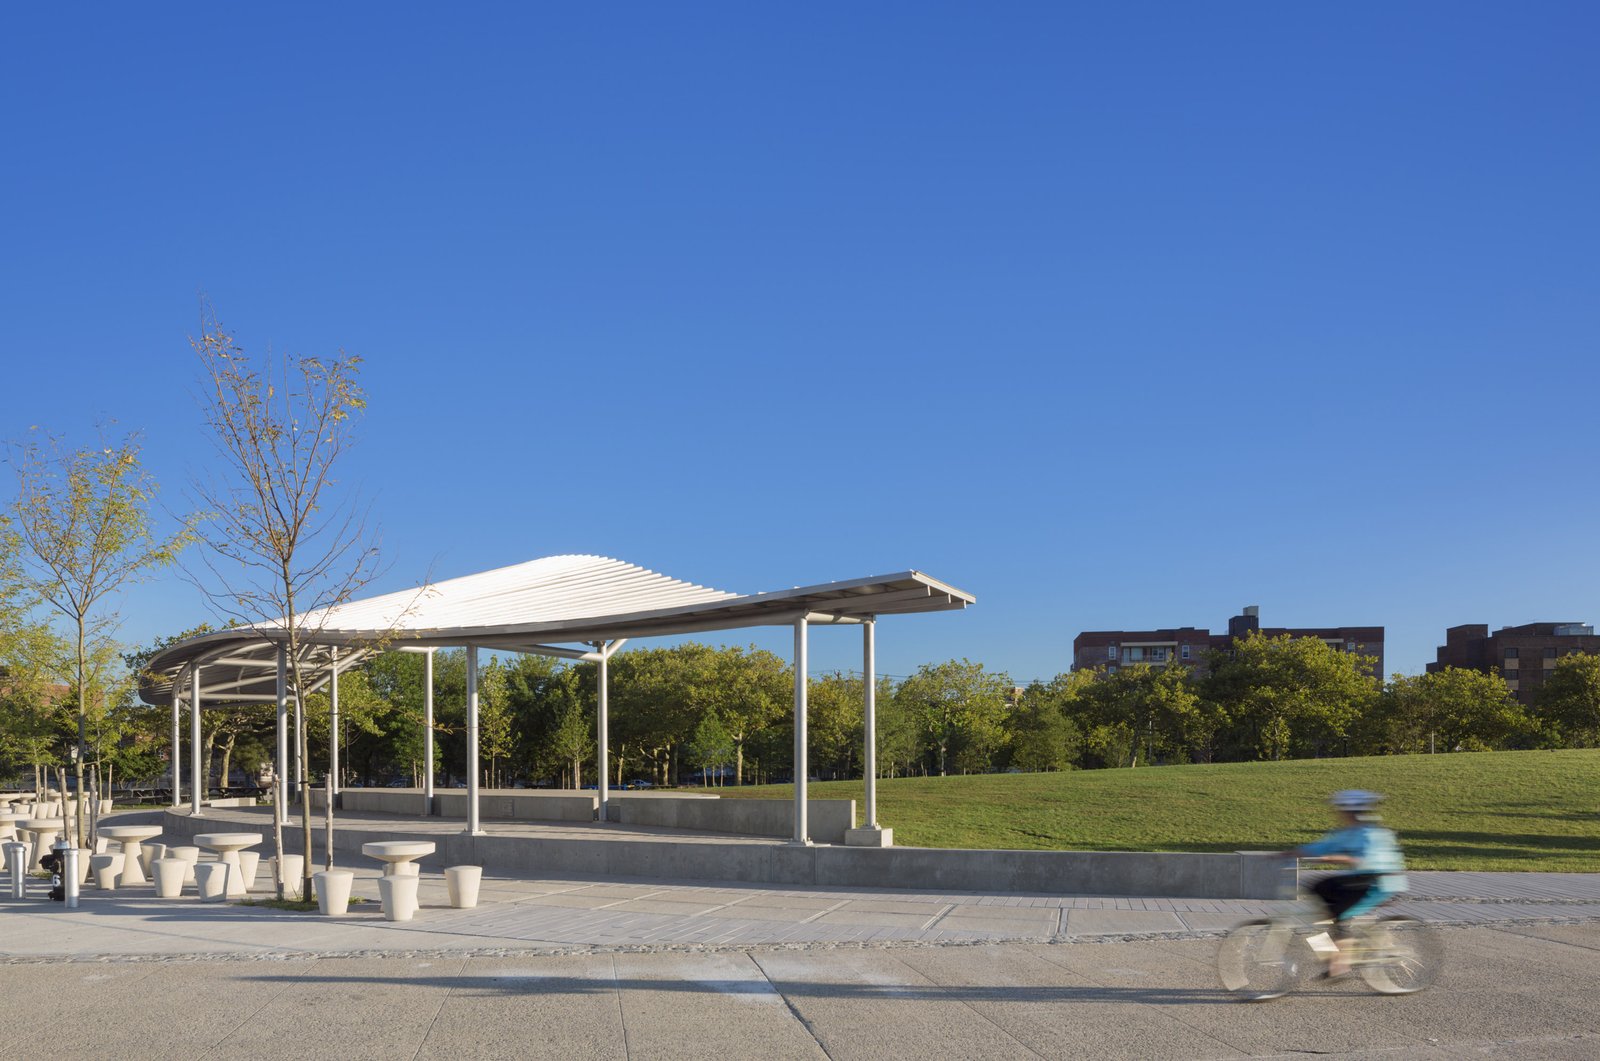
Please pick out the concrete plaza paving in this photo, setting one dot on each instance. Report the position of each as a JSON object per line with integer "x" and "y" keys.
{"x": 1508, "y": 991}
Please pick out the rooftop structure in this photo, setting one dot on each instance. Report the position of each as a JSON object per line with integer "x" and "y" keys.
{"x": 1523, "y": 655}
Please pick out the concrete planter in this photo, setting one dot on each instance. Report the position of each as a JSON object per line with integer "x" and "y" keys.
{"x": 169, "y": 874}
{"x": 463, "y": 882}
{"x": 84, "y": 854}
{"x": 333, "y": 891}
{"x": 399, "y": 897}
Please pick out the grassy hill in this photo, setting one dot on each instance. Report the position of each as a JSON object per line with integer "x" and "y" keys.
{"x": 1481, "y": 811}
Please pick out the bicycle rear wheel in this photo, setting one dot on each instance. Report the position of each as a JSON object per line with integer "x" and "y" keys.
{"x": 1254, "y": 960}
{"x": 1400, "y": 955}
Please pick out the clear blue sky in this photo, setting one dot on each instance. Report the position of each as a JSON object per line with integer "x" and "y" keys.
{"x": 1116, "y": 316}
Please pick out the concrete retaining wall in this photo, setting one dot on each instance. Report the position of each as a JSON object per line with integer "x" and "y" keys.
{"x": 499, "y": 804}
{"x": 1242, "y": 875}
{"x": 827, "y": 819}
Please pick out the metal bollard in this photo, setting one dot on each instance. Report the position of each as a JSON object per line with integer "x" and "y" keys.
{"x": 17, "y": 866}
{"x": 69, "y": 872}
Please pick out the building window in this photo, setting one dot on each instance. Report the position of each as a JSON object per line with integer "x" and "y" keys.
{"x": 1512, "y": 675}
{"x": 1349, "y": 646}
{"x": 1111, "y": 669}
{"x": 1549, "y": 653}
{"x": 1111, "y": 652}
{"x": 1511, "y": 653}
{"x": 1184, "y": 651}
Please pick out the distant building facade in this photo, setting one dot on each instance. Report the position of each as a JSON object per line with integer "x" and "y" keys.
{"x": 1189, "y": 645}
{"x": 1522, "y": 654}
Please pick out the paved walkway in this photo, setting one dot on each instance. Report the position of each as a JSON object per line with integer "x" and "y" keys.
{"x": 563, "y": 915}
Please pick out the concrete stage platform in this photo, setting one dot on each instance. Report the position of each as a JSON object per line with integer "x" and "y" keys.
{"x": 620, "y": 851}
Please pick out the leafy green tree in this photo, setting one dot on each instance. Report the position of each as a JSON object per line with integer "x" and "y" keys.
{"x": 1042, "y": 735}
{"x": 960, "y": 707}
{"x": 1286, "y": 695}
{"x": 712, "y": 746}
{"x": 83, "y": 519}
{"x": 571, "y": 737}
{"x": 1454, "y": 709}
{"x": 749, "y": 690}
{"x": 1569, "y": 700}
{"x": 835, "y": 724}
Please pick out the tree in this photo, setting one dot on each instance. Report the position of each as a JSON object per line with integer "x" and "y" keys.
{"x": 494, "y": 718}
{"x": 1454, "y": 709}
{"x": 1042, "y": 737}
{"x": 749, "y": 691}
{"x": 959, "y": 705}
{"x": 712, "y": 746}
{"x": 283, "y": 545}
{"x": 84, "y": 522}
{"x": 1569, "y": 699}
{"x": 1287, "y": 694}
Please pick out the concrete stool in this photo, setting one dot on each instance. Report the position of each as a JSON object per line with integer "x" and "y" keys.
{"x": 333, "y": 891}
{"x": 463, "y": 882}
{"x": 169, "y": 874}
{"x": 399, "y": 896}
{"x": 106, "y": 868}
{"x": 211, "y": 878}
{"x": 190, "y": 856}
{"x": 152, "y": 854}
{"x": 102, "y": 844}
{"x": 249, "y": 866}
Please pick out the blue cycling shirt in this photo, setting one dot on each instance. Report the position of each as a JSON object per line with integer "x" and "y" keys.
{"x": 1375, "y": 850}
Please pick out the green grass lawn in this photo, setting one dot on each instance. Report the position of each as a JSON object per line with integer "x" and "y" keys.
{"x": 1466, "y": 811}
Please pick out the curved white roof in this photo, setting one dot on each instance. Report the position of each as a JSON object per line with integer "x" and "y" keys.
{"x": 529, "y": 607}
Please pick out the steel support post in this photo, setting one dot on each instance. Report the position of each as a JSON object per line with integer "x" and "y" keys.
{"x": 869, "y": 697}
{"x": 472, "y": 741}
{"x": 280, "y": 769}
{"x": 177, "y": 739}
{"x": 333, "y": 725}
{"x": 197, "y": 773}
{"x": 603, "y": 767}
{"x": 801, "y": 768}
{"x": 427, "y": 733}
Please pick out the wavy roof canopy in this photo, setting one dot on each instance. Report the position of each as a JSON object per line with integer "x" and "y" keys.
{"x": 531, "y": 607}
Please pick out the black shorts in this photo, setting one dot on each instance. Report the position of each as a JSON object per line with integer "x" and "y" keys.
{"x": 1343, "y": 890}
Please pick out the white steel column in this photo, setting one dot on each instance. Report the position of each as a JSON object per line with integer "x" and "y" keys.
{"x": 197, "y": 774}
{"x": 603, "y": 763}
{"x": 472, "y": 741}
{"x": 427, "y": 732}
{"x": 869, "y": 697}
{"x": 280, "y": 769}
{"x": 177, "y": 737}
{"x": 299, "y": 733}
{"x": 801, "y": 769}
{"x": 333, "y": 725}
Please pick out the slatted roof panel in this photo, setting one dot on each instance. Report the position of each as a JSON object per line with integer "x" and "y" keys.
{"x": 528, "y": 607}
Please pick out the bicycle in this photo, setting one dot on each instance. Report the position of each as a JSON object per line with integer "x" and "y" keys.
{"x": 1265, "y": 958}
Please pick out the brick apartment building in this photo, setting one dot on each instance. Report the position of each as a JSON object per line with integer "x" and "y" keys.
{"x": 1522, "y": 654}
{"x": 1189, "y": 645}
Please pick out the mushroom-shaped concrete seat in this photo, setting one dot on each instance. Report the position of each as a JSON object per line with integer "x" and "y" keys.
{"x": 106, "y": 869}
{"x": 463, "y": 882}
{"x": 169, "y": 874}
{"x": 399, "y": 857}
{"x": 41, "y": 833}
{"x": 132, "y": 838}
{"x": 227, "y": 846}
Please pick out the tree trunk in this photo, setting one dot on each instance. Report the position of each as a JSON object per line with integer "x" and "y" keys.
{"x": 577, "y": 771}
{"x": 227, "y": 759}
{"x": 738, "y": 761}
{"x": 205, "y": 762}
{"x": 83, "y": 722}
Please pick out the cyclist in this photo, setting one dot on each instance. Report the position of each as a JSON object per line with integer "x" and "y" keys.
{"x": 1376, "y": 869}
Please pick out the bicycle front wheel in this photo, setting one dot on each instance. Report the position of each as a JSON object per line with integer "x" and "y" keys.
{"x": 1254, "y": 960}
{"x": 1400, "y": 955}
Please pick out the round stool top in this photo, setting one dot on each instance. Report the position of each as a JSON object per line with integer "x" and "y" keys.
{"x": 228, "y": 841}
{"x": 397, "y": 850}
{"x": 40, "y": 825}
{"x": 8, "y": 816}
{"x": 130, "y": 832}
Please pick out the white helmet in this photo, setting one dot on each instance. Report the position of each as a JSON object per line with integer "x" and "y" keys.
{"x": 1355, "y": 800}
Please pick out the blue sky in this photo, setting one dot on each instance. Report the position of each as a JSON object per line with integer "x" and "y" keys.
{"x": 1115, "y": 316}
